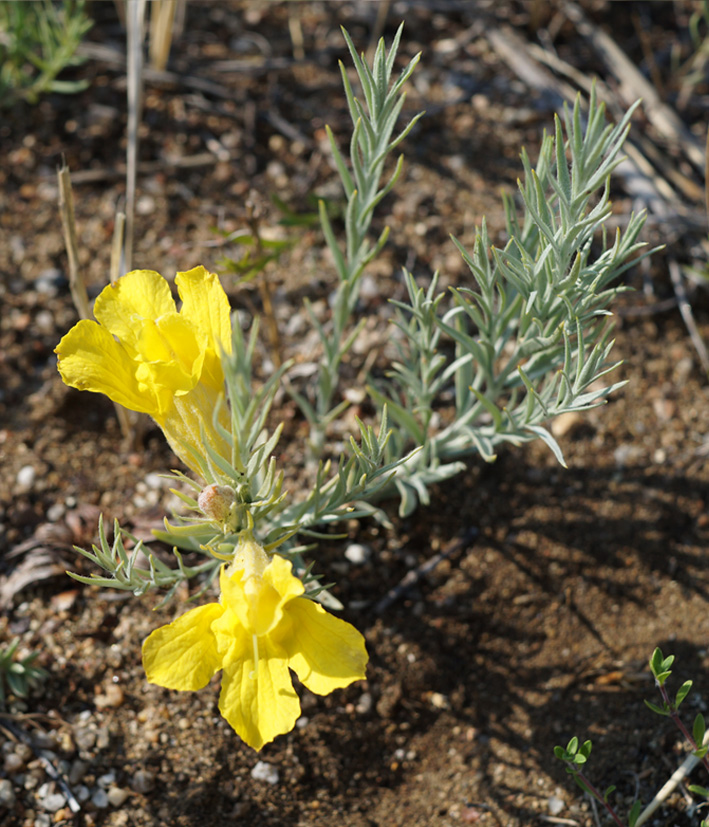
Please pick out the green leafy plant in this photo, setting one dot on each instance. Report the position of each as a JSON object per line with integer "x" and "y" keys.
{"x": 257, "y": 495}
{"x": 524, "y": 341}
{"x": 528, "y": 340}
{"x": 19, "y": 676}
{"x": 576, "y": 754}
{"x": 373, "y": 122}
{"x": 37, "y": 42}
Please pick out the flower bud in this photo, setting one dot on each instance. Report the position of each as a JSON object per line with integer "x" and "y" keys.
{"x": 216, "y": 501}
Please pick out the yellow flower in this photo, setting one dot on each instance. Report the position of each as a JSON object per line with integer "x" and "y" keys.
{"x": 148, "y": 357}
{"x": 261, "y": 627}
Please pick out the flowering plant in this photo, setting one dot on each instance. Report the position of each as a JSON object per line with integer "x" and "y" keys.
{"x": 525, "y": 342}
{"x": 161, "y": 362}
{"x": 186, "y": 369}
{"x": 261, "y": 627}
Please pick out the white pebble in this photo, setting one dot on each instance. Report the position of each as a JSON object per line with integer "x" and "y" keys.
{"x": 13, "y": 763}
{"x": 265, "y": 772}
{"x": 44, "y": 321}
{"x": 116, "y": 796}
{"x": 56, "y": 512}
{"x": 7, "y": 793}
{"x": 48, "y": 799}
{"x": 26, "y": 476}
{"x": 154, "y": 480}
{"x": 364, "y": 704}
{"x": 358, "y": 554}
{"x": 555, "y": 805}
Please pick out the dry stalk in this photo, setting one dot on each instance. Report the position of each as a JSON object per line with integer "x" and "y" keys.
{"x": 66, "y": 208}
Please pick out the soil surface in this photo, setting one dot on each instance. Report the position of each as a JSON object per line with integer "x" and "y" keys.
{"x": 538, "y": 630}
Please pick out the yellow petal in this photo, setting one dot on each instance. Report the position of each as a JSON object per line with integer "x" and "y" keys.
{"x": 90, "y": 359}
{"x": 122, "y": 307}
{"x": 257, "y": 594}
{"x": 280, "y": 575}
{"x": 174, "y": 351}
{"x": 183, "y": 654}
{"x": 258, "y": 702}
{"x": 206, "y": 305}
{"x": 325, "y": 652}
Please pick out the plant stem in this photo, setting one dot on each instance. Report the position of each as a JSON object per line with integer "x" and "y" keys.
{"x": 601, "y": 800}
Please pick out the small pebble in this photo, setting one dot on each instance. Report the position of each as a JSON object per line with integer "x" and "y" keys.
{"x": 143, "y": 781}
{"x": 102, "y": 738}
{"x": 45, "y": 740}
{"x": 555, "y": 805}
{"x": 113, "y": 696}
{"x": 25, "y": 477}
{"x": 24, "y": 751}
{"x": 154, "y": 480}
{"x": 48, "y": 799}
{"x": 439, "y": 701}
{"x": 7, "y": 794}
{"x": 99, "y": 798}
{"x": 107, "y": 780}
{"x": 13, "y": 763}
{"x": 56, "y": 512}
{"x": 48, "y": 282}
{"x": 44, "y": 322}
{"x": 364, "y": 704}
{"x": 358, "y": 554}
{"x": 78, "y": 770}
{"x": 85, "y": 738}
{"x": 116, "y": 796}
{"x": 265, "y": 772}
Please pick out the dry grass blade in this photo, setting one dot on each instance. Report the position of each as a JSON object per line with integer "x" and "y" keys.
{"x": 117, "y": 246}
{"x": 162, "y": 18}
{"x": 634, "y": 85}
{"x": 685, "y": 308}
{"x": 66, "y": 208}
{"x": 136, "y": 33}
{"x": 76, "y": 283}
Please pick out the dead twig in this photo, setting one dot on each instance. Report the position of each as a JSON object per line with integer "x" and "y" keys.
{"x": 92, "y": 176}
{"x": 66, "y": 208}
{"x": 135, "y": 19}
{"x": 685, "y": 309}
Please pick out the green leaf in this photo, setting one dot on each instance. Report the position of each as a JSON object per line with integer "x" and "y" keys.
{"x": 682, "y": 693}
{"x": 697, "y": 790}
{"x": 658, "y": 710}
{"x": 634, "y": 813}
